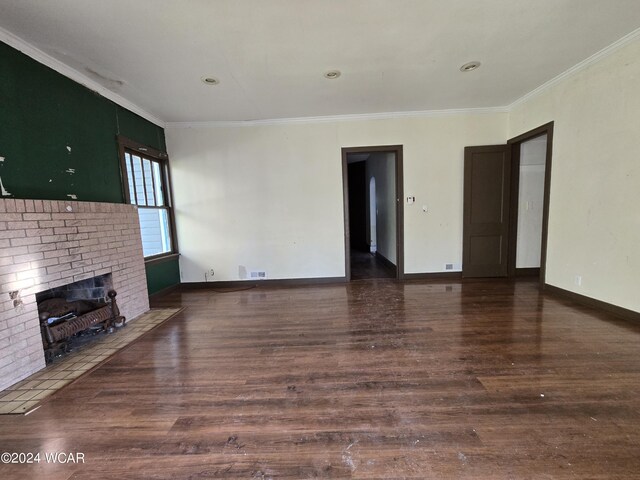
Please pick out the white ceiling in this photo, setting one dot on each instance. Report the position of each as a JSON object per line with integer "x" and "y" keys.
{"x": 270, "y": 55}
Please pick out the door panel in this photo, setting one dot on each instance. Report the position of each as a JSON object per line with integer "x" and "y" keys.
{"x": 487, "y": 176}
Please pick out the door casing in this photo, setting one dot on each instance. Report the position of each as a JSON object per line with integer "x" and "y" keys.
{"x": 515, "y": 144}
{"x": 397, "y": 150}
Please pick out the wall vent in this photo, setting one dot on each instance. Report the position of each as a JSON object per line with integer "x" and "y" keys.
{"x": 258, "y": 275}
{"x": 448, "y": 266}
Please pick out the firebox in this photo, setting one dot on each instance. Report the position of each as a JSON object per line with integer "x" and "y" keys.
{"x": 77, "y": 310}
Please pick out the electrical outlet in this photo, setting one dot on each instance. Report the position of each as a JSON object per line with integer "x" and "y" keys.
{"x": 578, "y": 280}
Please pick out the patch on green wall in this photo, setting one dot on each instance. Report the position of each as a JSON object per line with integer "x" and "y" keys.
{"x": 58, "y": 138}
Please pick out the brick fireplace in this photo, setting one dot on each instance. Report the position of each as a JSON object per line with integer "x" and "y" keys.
{"x": 46, "y": 244}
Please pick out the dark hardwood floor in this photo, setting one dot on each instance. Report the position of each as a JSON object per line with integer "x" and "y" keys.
{"x": 372, "y": 380}
{"x": 364, "y": 265}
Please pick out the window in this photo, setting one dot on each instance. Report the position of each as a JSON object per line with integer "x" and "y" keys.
{"x": 146, "y": 184}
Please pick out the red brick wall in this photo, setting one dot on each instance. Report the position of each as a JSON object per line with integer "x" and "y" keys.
{"x": 45, "y": 244}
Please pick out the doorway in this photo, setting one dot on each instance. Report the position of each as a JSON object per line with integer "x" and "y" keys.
{"x": 530, "y": 190}
{"x": 506, "y": 206}
{"x": 372, "y": 184}
{"x": 528, "y": 195}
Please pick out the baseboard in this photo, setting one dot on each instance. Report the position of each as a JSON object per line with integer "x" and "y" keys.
{"x": 282, "y": 282}
{"x": 386, "y": 262}
{"x": 593, "y": 303}
{"x": 528, "y": 272}
{"x": 164, "y": 291}
{"x": 433, "y": 276}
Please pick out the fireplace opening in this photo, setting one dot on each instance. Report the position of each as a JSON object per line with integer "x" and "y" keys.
{"x": 71, "y": 315}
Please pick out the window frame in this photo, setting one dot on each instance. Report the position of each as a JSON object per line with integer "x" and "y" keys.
{"x": 126, "y": 145}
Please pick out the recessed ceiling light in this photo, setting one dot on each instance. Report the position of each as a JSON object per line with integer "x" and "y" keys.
{"x": 332, "y": 74}
{"x": 468, "y": 67}
{"x": 210, "y": 80}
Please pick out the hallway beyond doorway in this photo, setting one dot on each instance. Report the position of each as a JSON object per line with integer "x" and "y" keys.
{"x": 366, "y": 265}
{"x": 373, "y": 212}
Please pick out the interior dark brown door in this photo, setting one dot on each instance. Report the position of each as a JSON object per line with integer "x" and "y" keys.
{"x": 487, "y": 176}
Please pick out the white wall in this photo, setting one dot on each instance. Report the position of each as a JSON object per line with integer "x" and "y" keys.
{"x": 382, "y": 166}
{"x": 533, "y": 155}
{"x": 372, "y": 215}
{"x": 270, "y": 196}
{"x": 594, "y": 221}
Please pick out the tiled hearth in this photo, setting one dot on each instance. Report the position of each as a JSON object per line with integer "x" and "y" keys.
{"x": 27, "y": 394}
{"x": 46, "y": 244}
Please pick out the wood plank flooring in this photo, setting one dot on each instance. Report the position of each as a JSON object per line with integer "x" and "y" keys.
{"x": 372, "y": 380}
{"x": 365, "y": 265}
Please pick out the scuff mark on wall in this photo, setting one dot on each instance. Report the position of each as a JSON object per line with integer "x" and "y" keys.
{"x": 70, "y": 171}
{"x": 3, "y": 192}
{"x": 72, "y": 196}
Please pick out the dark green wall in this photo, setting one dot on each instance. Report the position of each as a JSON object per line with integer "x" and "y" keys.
{"x": 162, "y": 275}
{"x": 41, "y": 114}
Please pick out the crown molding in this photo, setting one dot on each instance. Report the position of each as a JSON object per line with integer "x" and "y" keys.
{"x": 587, "y": 62}
{"x": 596, "y": 57}
{"x": 73, "y": 74}
{"x": 340, "y": 118}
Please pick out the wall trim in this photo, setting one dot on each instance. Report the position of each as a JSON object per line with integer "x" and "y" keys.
{"x": 605, "y": 52}
{"x": 620, "y": 312}
{"x": 587, "y": 62}
{"x": 516, "y": 142}
{"x": 164, "y": 291}
{"x": 387, "y": 263}
{"x": 275, "y": 282}
{"x": 339, "y": 118}
{"x": 162, "y": 258}
{"x": 77, "y": 76}
{"x": 433, "y": 276}
{"x": 62, "y": 68}
{"x": 399, "y": 194}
